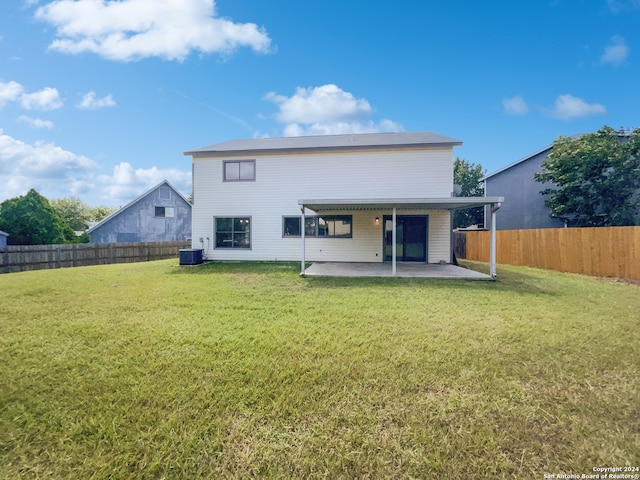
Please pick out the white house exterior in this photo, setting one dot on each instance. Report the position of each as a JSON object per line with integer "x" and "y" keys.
{"x": 252, "y": 197}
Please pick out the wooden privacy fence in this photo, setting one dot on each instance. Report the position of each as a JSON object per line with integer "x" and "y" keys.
{"x": 601, "y": 251}
{"x": 18, "y": 258}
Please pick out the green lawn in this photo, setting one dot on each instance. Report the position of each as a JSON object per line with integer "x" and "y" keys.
{"x": 152, "y": 370}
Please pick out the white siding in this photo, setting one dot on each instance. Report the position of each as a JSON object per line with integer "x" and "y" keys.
{"x": 281, "y": 180}
{"x": 439, "y": 236}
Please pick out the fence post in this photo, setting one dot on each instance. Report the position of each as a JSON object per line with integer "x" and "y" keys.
{"x": 5, "y": 259}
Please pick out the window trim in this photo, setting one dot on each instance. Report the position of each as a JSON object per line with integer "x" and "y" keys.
{"x": 316, "y": 217}
{"x": 239, "y": 179}
{"x": 232, "y": 218}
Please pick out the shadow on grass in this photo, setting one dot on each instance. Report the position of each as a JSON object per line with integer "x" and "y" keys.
{"x": 210, "y": 268}
{"x": 512, "y": 279}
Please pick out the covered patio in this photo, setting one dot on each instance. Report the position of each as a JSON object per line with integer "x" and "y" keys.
{"x": 403, "y": 270}
{"x": 393, "y": 205}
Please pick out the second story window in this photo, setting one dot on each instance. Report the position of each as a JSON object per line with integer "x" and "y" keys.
{"x": 239, "y": 170}
{"x": 165, "y": 212}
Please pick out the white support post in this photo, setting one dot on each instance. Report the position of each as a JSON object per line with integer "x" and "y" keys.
{"x": 302, "y": 225}
{"x": 393, "y": 242}
{"x": 492, "y": 251}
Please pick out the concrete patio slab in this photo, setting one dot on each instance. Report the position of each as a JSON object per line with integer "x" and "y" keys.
{"x": 407, "y": 270}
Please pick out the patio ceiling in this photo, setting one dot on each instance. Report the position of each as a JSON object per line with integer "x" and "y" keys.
{"x": 443, "y": 203}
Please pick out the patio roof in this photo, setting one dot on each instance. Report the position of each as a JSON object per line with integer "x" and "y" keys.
{"x": 441, "y": 203}
{"x": 395, "y": 204}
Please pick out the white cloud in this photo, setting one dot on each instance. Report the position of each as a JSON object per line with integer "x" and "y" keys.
{"x": 90, "y": 102}
{"x": 615, "y": 52}
{"x": 35, "y": 122}
{"x": 339, "y": 128}
{"x": 617, "y": 6}
{"x": 127, "y": 183}
{"x": 51, "y": 170}
{"x": 133, "y": 29}
{"x": 515, "y": 106}
{"x": 319, "y": 104}
{"x": 568, "y": 107}
{"x": 58, "y": 173}
{"x": 46, "y": 99}
{"x": 326, "y": 110}
{"x": 10, "y": 92}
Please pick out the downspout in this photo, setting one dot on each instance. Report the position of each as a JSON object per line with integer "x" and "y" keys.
{"x": 302, "y": 229}
{"x": 492, "y": 253}
{"x": 393, "y": 242}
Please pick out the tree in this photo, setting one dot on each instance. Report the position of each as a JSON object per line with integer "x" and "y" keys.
{"x": 100, "y": 212}
{"x": 31, "y": 220}
{"x": 467, "y": 176}
{"x": 596, "y": 178}
{"x": 74, "y": 211}
{"x": 78, "y": 214}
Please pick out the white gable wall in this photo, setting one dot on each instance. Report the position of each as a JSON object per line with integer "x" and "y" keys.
{"x": 283, "y": 179}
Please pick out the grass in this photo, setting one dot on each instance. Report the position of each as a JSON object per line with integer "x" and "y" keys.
{"x": 152, "y": 370}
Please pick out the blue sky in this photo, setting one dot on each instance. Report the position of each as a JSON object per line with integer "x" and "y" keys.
{"x": 98, "y": 99}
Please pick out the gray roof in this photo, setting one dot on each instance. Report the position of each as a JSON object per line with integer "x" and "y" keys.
{"x": 542, "y": 150}
{"x": 120, "y": 210}
{"x": 358, "y": 141}
{"x": 518, "y": 162}
{"x": 4, "y": 233}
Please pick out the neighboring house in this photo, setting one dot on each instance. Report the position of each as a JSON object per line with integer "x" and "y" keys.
{"x": 524, "y": 205}
{"x": 3, "y": 238}
{"x": 160, "y": 215}
{"x": 327, "y": 198}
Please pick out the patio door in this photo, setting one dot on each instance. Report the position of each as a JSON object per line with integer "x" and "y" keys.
{"x": 411, "y": 238}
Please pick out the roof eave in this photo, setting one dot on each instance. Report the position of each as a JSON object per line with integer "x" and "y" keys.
{"x": 518, "y": 162}
{"x": 203, "y": 153}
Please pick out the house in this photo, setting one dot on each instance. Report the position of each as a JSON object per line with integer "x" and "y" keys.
{"x": 333, "y": 198}
{"x": 524, "y": 207}
{"x": 162, "y": 214}
{"x": 3, "y": 238}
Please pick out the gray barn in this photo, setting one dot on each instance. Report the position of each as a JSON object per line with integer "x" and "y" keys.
{"x": 3, "y": 238}
{"x": 160, "y": 215}
{"x": 524, "y": 205}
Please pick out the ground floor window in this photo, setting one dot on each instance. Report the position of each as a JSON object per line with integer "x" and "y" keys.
{"x": 291, "y": 227}
{"x": 233, "y": 232}
{"x": 337, "y": 226}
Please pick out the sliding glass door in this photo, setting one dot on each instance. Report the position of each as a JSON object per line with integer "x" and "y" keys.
{"x": 411, "y": 238}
